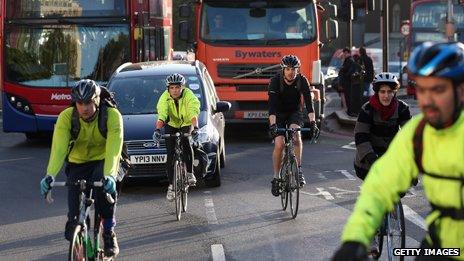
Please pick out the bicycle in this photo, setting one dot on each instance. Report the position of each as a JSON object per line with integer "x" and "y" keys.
{"x": 82, "y": 246}
{"x": 180, "y": 181}
{"x": 394, "y": 230}
{"x": 289, "y": 180}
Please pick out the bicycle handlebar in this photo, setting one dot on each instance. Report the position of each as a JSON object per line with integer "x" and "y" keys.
{"x": 293, "y": 129}
{"x": 177, "y": 134}
{"x": 97, "y": 184}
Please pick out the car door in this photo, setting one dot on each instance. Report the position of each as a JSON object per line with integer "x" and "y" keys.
{"x": 216, "y": 118}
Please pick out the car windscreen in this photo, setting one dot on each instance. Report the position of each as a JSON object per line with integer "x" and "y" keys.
{"x": 140, "y": 95}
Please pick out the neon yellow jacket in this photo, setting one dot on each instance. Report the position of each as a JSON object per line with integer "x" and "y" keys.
{"x": 189, "y": 107}
{"x": 90, "y": 145}
{"x": 443, "y": 154}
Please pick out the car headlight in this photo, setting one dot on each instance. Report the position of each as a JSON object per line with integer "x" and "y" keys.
{"x": 208, "y": 133}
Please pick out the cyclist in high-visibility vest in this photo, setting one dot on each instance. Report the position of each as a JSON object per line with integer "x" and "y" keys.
{"x": 431, "y": 143}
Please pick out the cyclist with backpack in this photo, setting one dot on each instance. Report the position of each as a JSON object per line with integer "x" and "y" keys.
{"x": 90, "y": 154}
{"x": 285, "y": 90}
{"x": 178, "y": 109}
{"x": 432, "y": 144}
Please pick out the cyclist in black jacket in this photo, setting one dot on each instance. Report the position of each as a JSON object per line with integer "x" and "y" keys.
{"x": 285, "y": 108}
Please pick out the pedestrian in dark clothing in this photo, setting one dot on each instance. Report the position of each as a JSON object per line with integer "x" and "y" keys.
{"x": 344, "y": 77}
{"x": 368, "y": 65}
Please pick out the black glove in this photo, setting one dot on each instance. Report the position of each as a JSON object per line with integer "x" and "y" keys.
{"x": 370, "y": 158}
{"x": 195, "y": 134}
{"x": 351, "y": 251}
{"x": 273, "y": 131}
{"x": 314, "y": 133}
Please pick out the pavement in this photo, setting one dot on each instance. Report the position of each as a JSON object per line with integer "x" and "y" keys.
{"x": 346, "y": 123}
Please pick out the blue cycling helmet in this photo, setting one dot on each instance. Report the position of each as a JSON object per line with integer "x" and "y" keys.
{"x": 444, "y": 60}
{"x": 85, "y": 91}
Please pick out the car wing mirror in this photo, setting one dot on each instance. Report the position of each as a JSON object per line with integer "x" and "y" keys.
{"x": 222, "y": 106}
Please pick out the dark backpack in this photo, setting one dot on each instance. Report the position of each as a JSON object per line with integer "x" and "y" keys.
{"x": 418, "y": 151}
{"x": 106, "y": 100}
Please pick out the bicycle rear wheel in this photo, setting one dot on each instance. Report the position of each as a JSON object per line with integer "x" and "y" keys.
{"x": 77, "y": 247}
{"x": 184, "y": 188}
{"x": 396, "y": 233}
{"x": 177, "y": 184}
{"x": 293, "y": 187}
{"x": 283, "y": 185}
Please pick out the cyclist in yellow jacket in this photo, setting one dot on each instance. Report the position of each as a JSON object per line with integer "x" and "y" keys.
{"x": 91, "y": 157}
{"x": 178, "y": 109}
{"x": 432, "y": 144}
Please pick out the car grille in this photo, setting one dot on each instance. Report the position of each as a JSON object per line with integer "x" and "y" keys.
{"x": 139, "y": 145}
{"x": 147, "y": 170}
{"x": 232, "y": 70}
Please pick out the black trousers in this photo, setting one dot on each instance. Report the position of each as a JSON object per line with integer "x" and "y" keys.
{"x": 170, "y": 147}
{"x": 90, "y": 171}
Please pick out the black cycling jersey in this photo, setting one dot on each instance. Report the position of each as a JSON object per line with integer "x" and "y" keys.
{"x": 285, "y": 98}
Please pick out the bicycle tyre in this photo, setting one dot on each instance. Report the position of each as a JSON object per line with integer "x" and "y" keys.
{"x": 283, "y": 185}
{"x": 184, "y": 188}
{"x": 77, "y": 247}
{"x": 294, "y": 188}
{"x": 396, "y": 233}
{"x": 176, "y": 187}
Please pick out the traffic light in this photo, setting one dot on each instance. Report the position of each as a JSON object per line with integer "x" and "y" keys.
{"x": 345, "y": 11}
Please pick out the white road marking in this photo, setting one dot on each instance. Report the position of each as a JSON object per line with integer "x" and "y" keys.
{"x": 321, "y": 175}
{"x": 350, "y": 146}
{"x": 321, "y": 192}
{"x": 415, "y": 218}
{"x": 7, "y": 160}
{"x": 342, "y": 192}
{"x": 217, "y": 251}
{"x": 347, "y": 174}
{"x": 209, "y": 205}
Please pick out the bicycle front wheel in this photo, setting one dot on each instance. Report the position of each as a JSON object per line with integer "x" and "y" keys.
{"x": 177, "y": 187}
{"x": 396, "y": 234}
{"x": 283, "y": 185}
{"x": 185, "y": 187}
{"x": 77, "y": 247}
{"x": 294, "y": 187}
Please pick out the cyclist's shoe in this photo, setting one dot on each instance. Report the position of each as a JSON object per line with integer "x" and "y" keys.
{"x": 374, "y": 249}
{"x": 69, "y": 230}
{"x": 171, "y": 194}
{"x": 275, "y": 190}
{"x": 301, "y": 178}
{"x": 191, "y": 179}
{"x": 110, "y": 242}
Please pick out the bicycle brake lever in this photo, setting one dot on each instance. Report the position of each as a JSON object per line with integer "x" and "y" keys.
{"x": 109, "y": 198}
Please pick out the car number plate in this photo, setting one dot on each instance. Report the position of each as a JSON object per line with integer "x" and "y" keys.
{"x": 256, "y": 115}
{"x": 148, "y": 159}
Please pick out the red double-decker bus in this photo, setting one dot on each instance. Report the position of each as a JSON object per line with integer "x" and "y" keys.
{"x": 49, "y": 45}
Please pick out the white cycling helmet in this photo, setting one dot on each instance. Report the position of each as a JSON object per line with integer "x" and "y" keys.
{"x": 387, "y": 79}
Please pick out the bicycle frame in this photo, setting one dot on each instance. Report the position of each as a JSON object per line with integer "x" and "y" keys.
{"x": 92, "y": 245}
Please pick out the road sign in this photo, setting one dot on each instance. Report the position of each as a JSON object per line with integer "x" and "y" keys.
{"x": 405, "y": 29}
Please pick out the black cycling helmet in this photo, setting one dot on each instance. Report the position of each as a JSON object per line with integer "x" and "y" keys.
{"x": 85, "y": 91}
{"x": 290, "y": 61}
{"x": 444, "y": 60}
{"x": 385, "y": 78}
{"x": 175, "y": 78}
